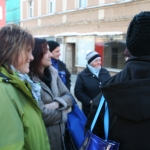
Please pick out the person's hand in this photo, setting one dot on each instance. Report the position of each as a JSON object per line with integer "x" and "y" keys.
{"x": 53, "y": 105}
{"x": 65, "y": 111}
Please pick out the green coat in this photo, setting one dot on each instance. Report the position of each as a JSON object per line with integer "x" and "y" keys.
{"x": 21, "y": 124}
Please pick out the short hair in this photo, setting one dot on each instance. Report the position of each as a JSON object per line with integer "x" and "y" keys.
{"x": 39, "y": 50}
{"x": 12, "y": 41}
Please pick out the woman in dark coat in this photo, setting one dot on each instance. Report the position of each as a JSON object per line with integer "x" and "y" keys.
{"x": 128, "y": 92}
{"x": 89, "y": 81}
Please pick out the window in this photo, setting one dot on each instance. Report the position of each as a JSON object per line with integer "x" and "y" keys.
{"x": 114, "y": 54}
{"x": 111, "y": 48}
{"x": 30, "y": 8}
{"x": 85, "y": 44}
{"x": 82, "y": 3}
{"x": 59, "y": 40}
{"x": 51, "y": 6}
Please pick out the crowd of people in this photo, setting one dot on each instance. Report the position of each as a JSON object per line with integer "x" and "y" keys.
{"x": 36, "y": 98}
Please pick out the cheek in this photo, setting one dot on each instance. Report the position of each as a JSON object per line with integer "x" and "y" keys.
{"x": 93, "y": 64}
{"x": 99, "y": 63}
{"x": 44, "y": 58}
{"x": 96, "y": 64}
{"x": 58, "y": 54}
{"x": 22, "y": 59}
{"x": 42, "y": 61}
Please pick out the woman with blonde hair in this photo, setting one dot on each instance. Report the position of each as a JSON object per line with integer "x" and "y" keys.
{"x": 21, "y": 126}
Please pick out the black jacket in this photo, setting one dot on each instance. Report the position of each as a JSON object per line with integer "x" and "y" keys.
{"x": 62, "y": 67}
{"x": 128, "y": 97}
{"x": 87, "y": 87}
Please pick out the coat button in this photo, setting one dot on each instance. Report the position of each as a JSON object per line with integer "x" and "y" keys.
{"x": 93, "y": 75}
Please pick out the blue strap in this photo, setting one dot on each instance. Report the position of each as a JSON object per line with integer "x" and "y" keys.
{"x": 106, "y": 117}
{"x": 106, "y": 121}
{"x": 97, "y": 112}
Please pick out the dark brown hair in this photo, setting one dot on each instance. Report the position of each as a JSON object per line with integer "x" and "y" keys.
{"x": 13, "y": 39}
{"x": 40, "y": 49}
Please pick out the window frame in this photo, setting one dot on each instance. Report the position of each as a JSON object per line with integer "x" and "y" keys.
{"x": 85, "y": 44}
{"x": 30, "y": 9}
{"x": 51, "y": 6}
{"x": 82, "y": 3}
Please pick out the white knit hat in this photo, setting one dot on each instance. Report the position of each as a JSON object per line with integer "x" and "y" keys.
{"x": 90, "y": 57}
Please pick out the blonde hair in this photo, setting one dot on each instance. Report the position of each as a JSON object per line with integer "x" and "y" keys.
{"x": 12, "y": 41}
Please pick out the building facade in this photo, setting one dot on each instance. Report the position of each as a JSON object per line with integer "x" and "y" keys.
{"x": 81, "y": 26}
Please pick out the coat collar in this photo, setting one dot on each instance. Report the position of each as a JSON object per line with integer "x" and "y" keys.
{"x": 42, "y": 84}
{"x": 132, "y": 65}
{"x": 16, "y": 82}
{"x": 142, "y": 58}
{"x": 86, "y": 71}
{"x": 54, "y": 75}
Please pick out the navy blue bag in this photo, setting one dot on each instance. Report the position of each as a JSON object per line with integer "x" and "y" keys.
{"x": 75, "y": 124}
{"x": 94, "y": 142}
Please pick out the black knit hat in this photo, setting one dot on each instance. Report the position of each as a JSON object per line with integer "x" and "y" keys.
{"x": 138, "y": 35}
{"x": 52, "y": 45}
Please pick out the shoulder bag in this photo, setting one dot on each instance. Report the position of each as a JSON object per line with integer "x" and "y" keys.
{"x": 75, "y": 124}
{"x": 93, "y": 142}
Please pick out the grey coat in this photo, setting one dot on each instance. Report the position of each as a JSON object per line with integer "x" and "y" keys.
{"x": 54, "y": 119}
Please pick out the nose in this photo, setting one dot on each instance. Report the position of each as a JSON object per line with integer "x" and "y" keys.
{"x": 50, "y": 54}
{"x": 31, "y": 57}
